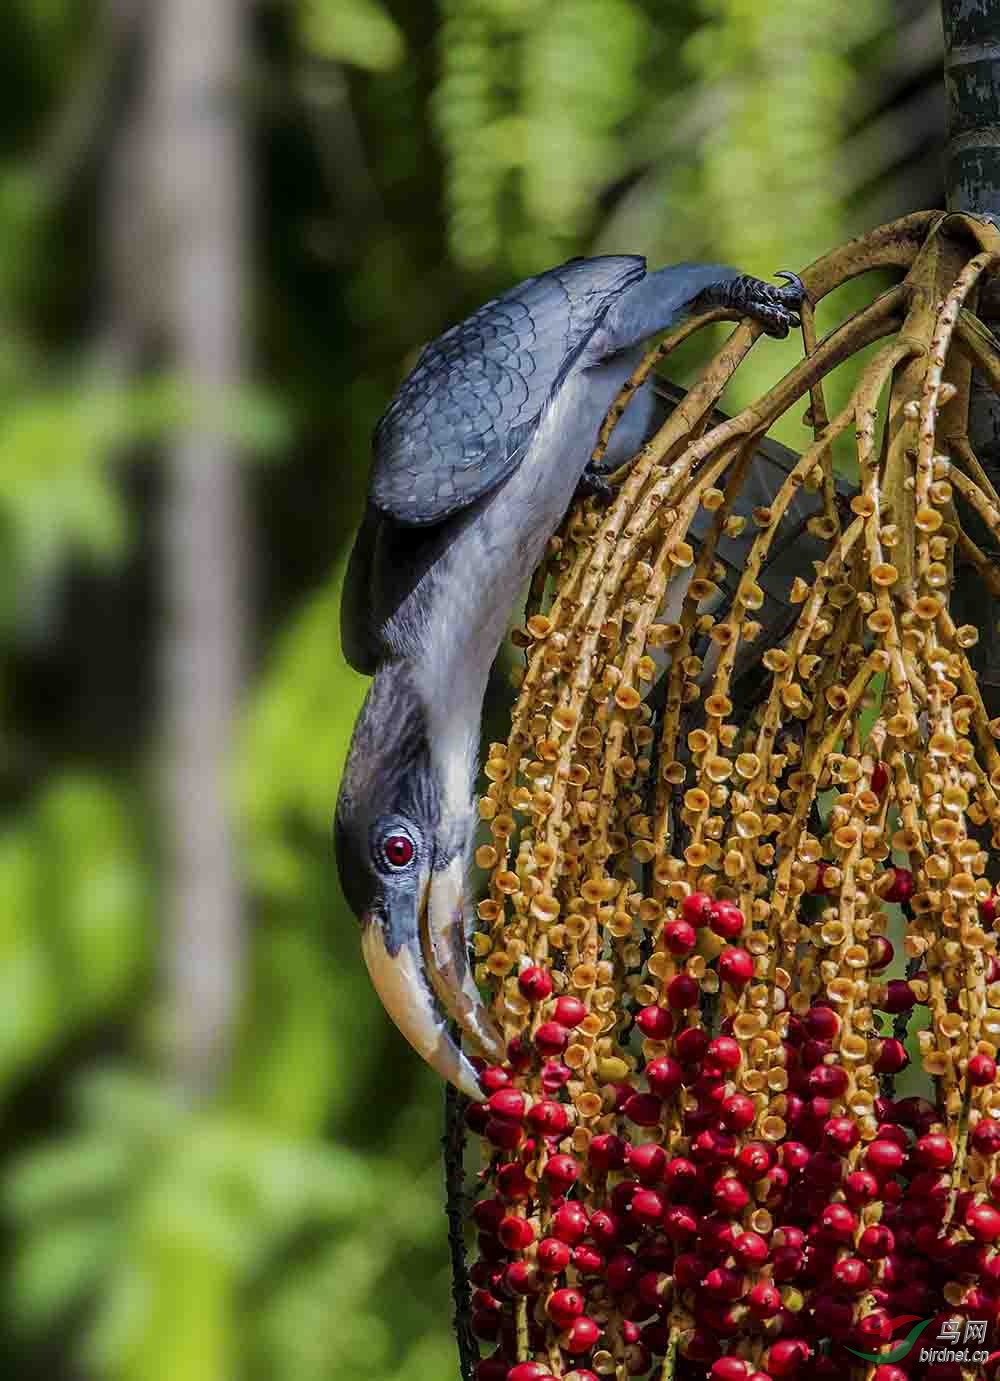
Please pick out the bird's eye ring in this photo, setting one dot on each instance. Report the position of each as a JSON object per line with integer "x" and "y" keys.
{"x": 398, "y": 850}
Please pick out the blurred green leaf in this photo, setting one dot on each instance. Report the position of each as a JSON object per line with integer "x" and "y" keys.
{"x": 359, "y": 32}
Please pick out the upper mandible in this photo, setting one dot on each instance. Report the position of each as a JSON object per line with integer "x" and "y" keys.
{"x": 461, "y": 420}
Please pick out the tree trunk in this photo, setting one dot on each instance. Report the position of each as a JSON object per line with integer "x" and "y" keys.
{"x": 972, "y": 181}
{"x": 198, "y": 180}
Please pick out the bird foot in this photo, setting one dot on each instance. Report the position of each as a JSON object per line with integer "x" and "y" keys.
{"x": 776, "y": 308}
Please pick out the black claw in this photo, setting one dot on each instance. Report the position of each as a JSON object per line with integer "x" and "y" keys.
{"x": 795, "y": 293}
{"x": 773, "y": 306}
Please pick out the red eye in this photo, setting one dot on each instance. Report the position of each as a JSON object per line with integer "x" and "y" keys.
{"x": 398, "y": 850}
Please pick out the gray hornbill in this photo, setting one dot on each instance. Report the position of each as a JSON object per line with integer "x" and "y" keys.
{"x": 475, "y": 463}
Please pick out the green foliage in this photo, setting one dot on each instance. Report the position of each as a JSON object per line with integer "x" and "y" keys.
{"x": 172, "y": 1220}
{"x": 356, "y": 31}
{"x": 297, "y": 735}
{"x": 73, "y": 924}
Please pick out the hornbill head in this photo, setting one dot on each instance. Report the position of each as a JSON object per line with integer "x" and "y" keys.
{"x": 402, "y": 847}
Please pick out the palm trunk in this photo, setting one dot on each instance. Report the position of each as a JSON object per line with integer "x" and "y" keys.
{"x": 972, "y": 182}
{"x": 197, "y": 164}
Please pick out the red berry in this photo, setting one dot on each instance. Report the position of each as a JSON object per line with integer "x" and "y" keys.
{"x": 982, "y": 1071}
{"x": 876, "y": 1243}
{"x": 829, "y": 1081}
{"x": 622, "y": 1272}
{"x": 724, "y": 1284}
{"x": 503, "y": 1133}
{"x": 528, "y": 1371}
{"x": 764, "y": 1300}
{"x": 485, "y": 1325}
{"x": 729, "y": 1369}
{"x": 892, "y": 1056}
{"x": 508, "y": 1103}
{"x": 735, "y": 967}
{"x": 513, "y": 1184}
{"x": 569, "y": 1223}
{"x": 664, "y": 1076}
{"x": 900, "y": 888}
{"x": 493, "y": 1078}
{"x": 647, "y": 1206}
{"x": 751, "y": 1249}
{"x": 730, "y": 1195}
{"x": 521, "y": 1278}
{"x": 547, "y": 1117}
{"x": 983, "y": 1221}
{"x": 644, "y": 1109}
{"x": 516, "y": 1233}
{"x": 655, "y": 1022}
{"x": 726, "y": 920}
{"x": 535, "y": 983}
{"x": 852, "y": 1275}
{"x": 648, "y": 1162}
{"x": 934, "y": 1152}
{"x": 569, "y": 1011}
{"x": 581, "y": 1336}
{"x": 519, "y": 1055}
{"x": 840, "y": 1135}
{"x": 875, "y": 1327}
{"x": 838, "y": 1222}
{"x": 880, "y": 778}
{"x": 691, "y": 1044}
{"x": 755, "y": 1160}
{"x": 607, "y": 1151}
{"x": 679, "y": 937}
{"x": 716, "y": 1147}
{"x": 739, "y": 1112}
{"x": 787, "y": 1355}
{"x": 682, "y": 992}
{"x": 551, "y": 1037}
{"x": 553, "y": 1256}
{"x": 884, "y": 1157}
{"x": 985, "y": 1137}
{"x": 679, "y": 1174}
{"x": 559, "y": 1173}
{"x": 821, "y": 1023}
{"x": 988, "y": 909}
{"x": 899, "y": 997}
{"x": 588, "y": 1261}
{"x": 794, "y": 1156}
{"x": 555, "y": 1075}
{"x": 487, "y": 1214}
{"x": 725, "y": 1052}
{"x": 477, "y": 1115}
{"x": 563, "y": 1306}
{"x": 695, "y": 908}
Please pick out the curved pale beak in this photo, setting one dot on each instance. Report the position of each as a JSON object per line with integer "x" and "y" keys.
{"x": 443, "y": 942}
{"x": 418, "y": 967}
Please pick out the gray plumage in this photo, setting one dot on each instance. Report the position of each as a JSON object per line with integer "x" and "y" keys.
{"x": 475, "y": 462}
{"x": 460, "y": 421}
{"x": 468, "y": 418}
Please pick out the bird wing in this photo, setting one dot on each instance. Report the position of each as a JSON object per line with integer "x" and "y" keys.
{"x": 462, "y": 419}
{"x": 387, "y": 562}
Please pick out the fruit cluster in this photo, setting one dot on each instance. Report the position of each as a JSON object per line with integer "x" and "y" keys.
{"x": 696, "y": 1159}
